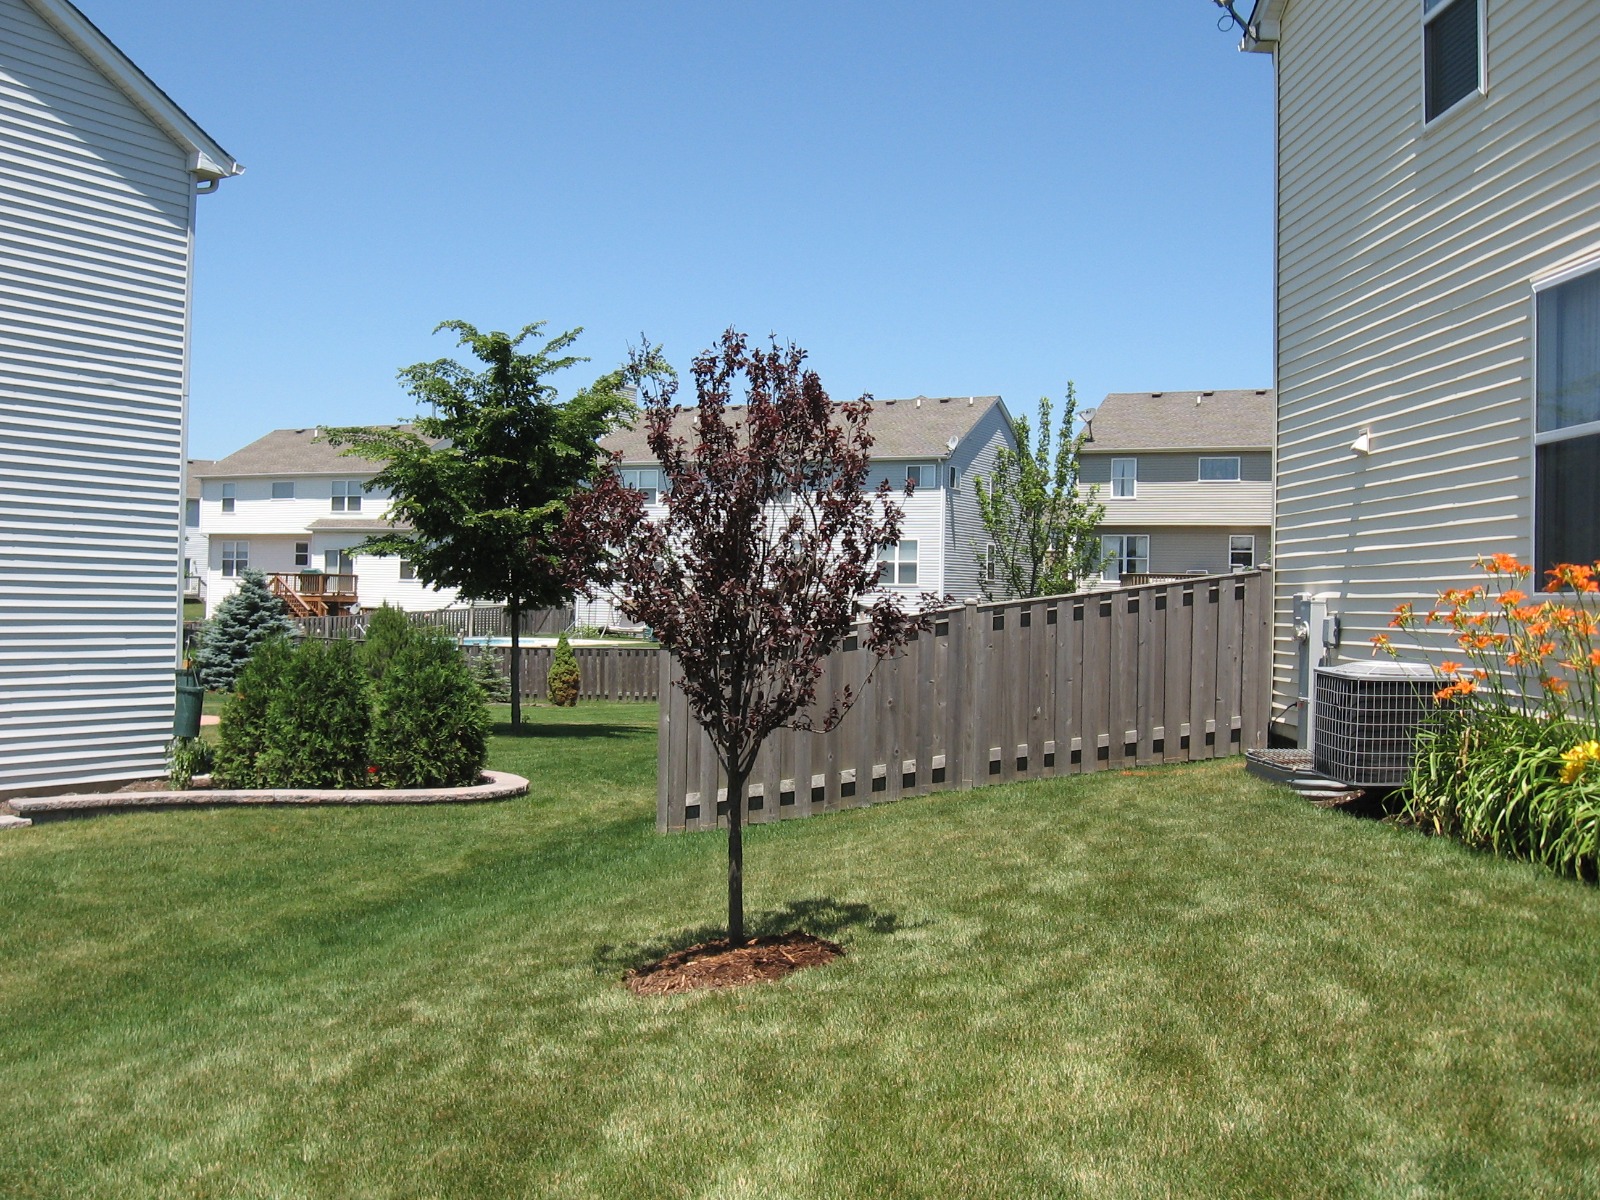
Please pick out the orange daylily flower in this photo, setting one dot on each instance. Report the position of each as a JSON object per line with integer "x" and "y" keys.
{"x": 1512, "y": 598}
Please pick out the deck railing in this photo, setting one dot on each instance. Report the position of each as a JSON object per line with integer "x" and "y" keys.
{"x": 314, "y": 593}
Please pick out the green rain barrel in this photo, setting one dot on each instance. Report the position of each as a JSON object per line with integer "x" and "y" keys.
{"x": 186, "y": 717}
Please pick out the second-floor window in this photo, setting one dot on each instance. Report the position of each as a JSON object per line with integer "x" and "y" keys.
{"x": 347, "y": 495}
{"x": 338, "y": 562}
{"x": 302, "y": 555}
{"x": 1124, "y": 478}
{"x": 283, "y": 489}
{"x": 235, "y": 558}
{"x": 921, "y": 476}
{"x": 227, "y": 497}
{"x": 191, "y": 513}
{"x": 408, "y": 569}
{"x": 1126, "y": 554}
{"x": 646, "y": 480}
{"x": 1452, "y": 54}
{"x": 897, "y": 564}
{"x": 1219, "y": 470}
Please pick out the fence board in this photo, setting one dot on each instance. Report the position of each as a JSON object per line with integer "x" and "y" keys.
{"x": 1163, "y": 672}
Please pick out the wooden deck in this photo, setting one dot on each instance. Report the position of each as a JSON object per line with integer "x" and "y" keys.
{"x": 314, "y": 593}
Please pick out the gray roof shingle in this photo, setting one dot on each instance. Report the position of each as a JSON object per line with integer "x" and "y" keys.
{"x": 1241, "y": 419}
{"x": 920, "y": 427}
{"x": 291, "y": 452}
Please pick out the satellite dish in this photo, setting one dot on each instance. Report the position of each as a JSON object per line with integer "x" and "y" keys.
{"x": 952, "y": 443}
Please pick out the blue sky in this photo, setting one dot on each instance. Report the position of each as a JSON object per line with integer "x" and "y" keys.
{"x": 934, "y": 198}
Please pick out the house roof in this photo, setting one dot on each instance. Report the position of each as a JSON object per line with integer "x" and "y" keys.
{"x": 1242, "y": 419}
{"x": 1261, "y": 32}
{"x": 197, "y": 468}
{"x": 358, "y": 525}
{"x": 292, "y": 452}
{"x": 920, "y": 427}
{"x": 207, "y": 160}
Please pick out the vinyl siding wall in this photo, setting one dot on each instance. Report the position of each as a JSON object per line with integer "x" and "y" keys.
{"x": 1405, "y": 263}
{"x": 1169, "y": 491}
{"x": 964, "y": 534}
{"x": 96, "y": 208}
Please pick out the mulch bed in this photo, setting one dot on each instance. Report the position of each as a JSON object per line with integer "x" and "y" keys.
{"x": 722, "y": 964}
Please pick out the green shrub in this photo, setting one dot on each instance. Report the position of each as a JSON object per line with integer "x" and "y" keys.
{"x": 565, "y": 680}
{"x": 186, "y": 758}
{"x": 489, "y": 670}
{"x": 318, "y": 720}
{"x": 249, "y": 617}
{"x": 1520, "y": 785}
{"x": 388, "y": 630}
{"x": 430, "y": 727}
{"x": 244, "y": 716}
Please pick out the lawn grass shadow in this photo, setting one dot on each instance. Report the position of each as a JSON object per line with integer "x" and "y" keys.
{"x": 598, "y": 729}
{"x": 822, "y": 916}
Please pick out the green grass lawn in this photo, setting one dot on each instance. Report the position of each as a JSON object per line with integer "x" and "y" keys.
{"x": 1179, "y": 982}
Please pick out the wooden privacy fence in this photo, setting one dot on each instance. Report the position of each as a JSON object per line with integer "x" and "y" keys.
{"x": 1022, "y": 689}
{"x": 463, "y": 622}
{"x": 609, "y": 672}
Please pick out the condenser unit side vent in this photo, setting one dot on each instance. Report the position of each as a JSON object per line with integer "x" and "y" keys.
{"x": 1366, "y": 720}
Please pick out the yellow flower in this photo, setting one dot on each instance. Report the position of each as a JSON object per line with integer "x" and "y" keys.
{"x": 1575, "y": 761}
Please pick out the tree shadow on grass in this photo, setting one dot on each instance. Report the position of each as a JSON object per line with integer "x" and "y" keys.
{"x": 822, "y": 916}
{"x": 574, "y": 730}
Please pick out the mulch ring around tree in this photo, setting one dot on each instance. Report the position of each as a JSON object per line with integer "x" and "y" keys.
{"x": 720, "y": 964}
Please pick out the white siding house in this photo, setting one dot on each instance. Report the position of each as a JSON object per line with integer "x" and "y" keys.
{"x": 944, "y": 441}
{"x": 1185, "y": 478}
{"x": 294, "y": 508}
{"x": 99, "y": 172}
{"x": 1438, "y": 298}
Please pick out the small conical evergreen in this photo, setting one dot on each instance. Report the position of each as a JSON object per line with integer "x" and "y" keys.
{"x": 244, "y": 620}
{"x": 564, "y": 680}
{"x": 387, "y": 631}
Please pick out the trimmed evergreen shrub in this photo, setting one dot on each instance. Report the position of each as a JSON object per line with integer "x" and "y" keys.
{"x": 388, "y": 630}
{"x": 244, "y": 716}
{"x": 565, "y": 680}
{"x": 243, "y": 622}
{"x": 430, "y": 727}
{"x": 318, "y": 720}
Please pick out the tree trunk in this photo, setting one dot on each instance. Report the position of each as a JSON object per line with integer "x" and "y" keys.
{"x": 514, "y": 611}
{"x": 736, "y": 786}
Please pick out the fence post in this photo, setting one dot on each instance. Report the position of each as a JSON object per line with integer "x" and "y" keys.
{"x": 966, "y": 710}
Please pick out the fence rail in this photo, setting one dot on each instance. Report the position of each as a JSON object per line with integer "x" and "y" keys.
{"x": 1027, "y": 689}
{"x": 608, "y": 672}
{"x": 477, "y": 621}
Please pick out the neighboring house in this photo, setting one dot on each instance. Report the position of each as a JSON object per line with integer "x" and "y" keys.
{"x": 1438, "y": 300}
{"x": 1186, "y": 480}
{"x": 941, "y": 442}
{"x": 294, "y": 507}
{"x": 194, "y": 539}
{"x": 99, "y": 174}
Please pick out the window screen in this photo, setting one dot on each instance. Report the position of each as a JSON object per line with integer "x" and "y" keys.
{"x": 1567, "y": 425}
{"x": 1450, "y": 53}
{"x": 1219, "y": 470}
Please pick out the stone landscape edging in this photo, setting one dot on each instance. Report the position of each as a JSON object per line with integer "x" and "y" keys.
{"x": 497, "y": 785}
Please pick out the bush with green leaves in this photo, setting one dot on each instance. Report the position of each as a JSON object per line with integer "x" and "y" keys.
{"x": 244, "y": 716}
{"x": 429, "y": 726}
{"x": 388, "y": 629}
{"x": 565, "y": 680}
{"x": 250, "y": 616}
{"x": 318, "y": 719}
{"x": 1515, "y": 783}
{"x": 186, "y": 758}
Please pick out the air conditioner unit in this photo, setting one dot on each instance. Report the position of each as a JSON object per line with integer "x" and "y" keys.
{"x": 1365, "y": 717}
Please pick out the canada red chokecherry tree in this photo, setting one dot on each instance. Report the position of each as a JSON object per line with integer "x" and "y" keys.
{"x": 763, "y": 559}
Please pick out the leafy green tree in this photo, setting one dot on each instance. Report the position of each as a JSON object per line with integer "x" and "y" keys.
{"x": 565, "y": 681}
{"x": 250, "y": 616}
{"x": 480, "y": 485}
{"x": 1041, "y": 528}
{"x": 430, "y": 727}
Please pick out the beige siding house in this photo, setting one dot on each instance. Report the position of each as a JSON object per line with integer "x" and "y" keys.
{"x": 99, "y": 174}
{"x": 942, "y": 442}
{"x": 1186, "y": 480}
{"x": 294, "y": 508}
{"x": 1438, "y": 298}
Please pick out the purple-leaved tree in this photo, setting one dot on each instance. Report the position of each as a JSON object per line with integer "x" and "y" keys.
{"x": 761, "y": 564}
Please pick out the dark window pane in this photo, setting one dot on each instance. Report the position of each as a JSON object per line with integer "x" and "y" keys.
{"x": 1450, "y": 53}
{"x": 1567, "y": 508}
{"x": 1569, "y": 353}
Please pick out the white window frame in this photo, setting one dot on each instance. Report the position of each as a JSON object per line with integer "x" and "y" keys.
{"x": 1249, "y": 547}
{"x": 230, "y": 497}
{"x": 991, "y": 563}
{"x": 346, "y": 495}
{"x": 1116, "y": 548}
{"x": 1132, "y": 480}
{"x": 281, "y": 489}
{"x": 1587, "y": 264}
{"x": 235, "y": 559}
{"x": 896, "y": 560}
{"x": 191, "y": 514}
{"x": 1431, "y": 14}
{"x": 408, "y": 569}
{"x": 644, "y": 479}
{"x": 925, "y": 476}
{"x": 1220, "y": 458}
{"x": 338, "y": 562}
{"x": 302, "y": 555}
